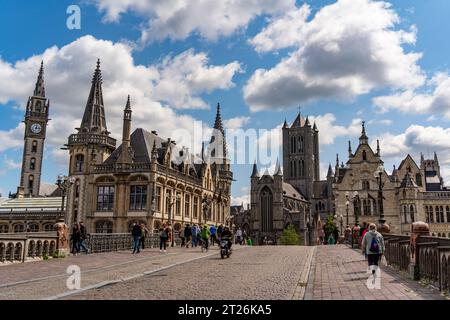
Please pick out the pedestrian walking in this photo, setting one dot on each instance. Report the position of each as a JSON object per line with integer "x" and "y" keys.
{"x": 321, "y": 236}
{"x": 194, "y": 231}
{"x": 144, "y": 234}
{"x": 75, "y": 237}
{"x": 239, "y": 236}
{"x": 219, "y": 232}
{"x": 373, "y": 247}
{"x": 136, "y": 233}
{"x": 362, "y": 233}
{"x": 331, "y": 239}
{"x": 213, "y": 231}
{"x": 163, "y": 237}
{"x": 83, "y": 237}
{"x": 205, "y": 234}
{"x": 182, "y": 237}
{"x": 187, "y": 234}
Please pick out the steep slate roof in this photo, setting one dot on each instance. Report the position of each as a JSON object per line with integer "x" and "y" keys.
{"x": 291, "y": 192}
{"x": 320, "y": 189}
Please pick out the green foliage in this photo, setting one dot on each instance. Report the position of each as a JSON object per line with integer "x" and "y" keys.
{"x": 290, "y": 236}
{"x": 329, "y": 227}
{"x": 45, "y": 257}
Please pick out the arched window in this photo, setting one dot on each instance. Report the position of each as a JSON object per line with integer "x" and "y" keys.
{"x": 48, "y": 227}
{"x": 38, "y": 106}
{"x": 405, "y": 214}
{"x": 441, "y": 214}
{"x": 419, "y": 179}
{"x": 32, "y": 163}
{"x": 366, "y": 185}
{"x": 34, "y": 146}
{"x": 4, "y": 228}
{"x": 364, "y": 155}
{"x": 19, "y": 228}
{"x": 303, "y": 168}
{"x": 33, "y": 227}
{"x": 266, "y": 210}
{"x": 438, "y": 216}
{"x": 431, "y": 214}
{"x": 411, "y": 213}
{"x": 367, "y": 207}
{"x": 30, "y": 182}
{"x": 295, "y": 168}
{"x": 79, "y": 161}
{"x": 447, "y": 209}
{"x": 103, "y": 226}
{"x": 300, "y": 168}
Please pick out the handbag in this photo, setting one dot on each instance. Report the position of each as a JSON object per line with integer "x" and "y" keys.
{"x": 383, "y": 261}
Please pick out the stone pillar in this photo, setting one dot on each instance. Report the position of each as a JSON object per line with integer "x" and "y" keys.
{"x": 63, "y": 232}
{"x": 418, "y": 229}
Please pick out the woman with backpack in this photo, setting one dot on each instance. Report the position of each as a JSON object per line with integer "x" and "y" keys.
{"x": 163, "y": 237}
{"x": 373, "y": 246}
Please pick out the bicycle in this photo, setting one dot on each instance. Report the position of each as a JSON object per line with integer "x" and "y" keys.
{"x": 204, "y": 245}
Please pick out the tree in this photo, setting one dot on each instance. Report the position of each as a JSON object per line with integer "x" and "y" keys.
{"x": 329, "y": 226}
{"x": 290, "y": 236}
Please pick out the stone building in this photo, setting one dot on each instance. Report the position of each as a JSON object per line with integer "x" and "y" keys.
{"x": 411, "y": 193}
{"x": 298, "y": 197}
{"x": 146, "y": 178}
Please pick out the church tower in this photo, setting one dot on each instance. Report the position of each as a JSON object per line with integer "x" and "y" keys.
{"x": 36, "y": 119}
{"x": 301, "y": 155}
{"x": 91, "y": 145}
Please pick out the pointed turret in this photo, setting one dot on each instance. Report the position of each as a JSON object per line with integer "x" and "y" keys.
{"x": 94, "y": 114}
{"x": 125, "y": 155}
{"x": 218, "y": 134}
{"x": 255, "y": 173}
{"x": 422, "y": 159}
{"x": 299, "y": 121}
{"x": 436, "y": 160}
{"x": 154, "y": 151}
{"x": 363, "y": 139}
{"x": 285, "y": 125}
{"x": 39, "y": 90}
{"x": 350, "y": 152}
{"x": 330, "y": 171}
{"x": 315, "y": 127}
{"x": 307, "y": 122}
{"x": 278, "y": 171}
{"x": 378, "y": 147}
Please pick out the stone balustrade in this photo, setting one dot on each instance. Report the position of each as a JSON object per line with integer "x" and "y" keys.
{"x": 424, "y": 257}
{"x": 26, "y": 246}
{"x": 107, "y": 242}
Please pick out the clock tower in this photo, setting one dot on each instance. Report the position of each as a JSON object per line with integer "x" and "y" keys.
{"x": 36, "y": 118}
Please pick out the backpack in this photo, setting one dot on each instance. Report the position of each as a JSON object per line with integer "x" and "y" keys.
{"x": 374, "y": 246}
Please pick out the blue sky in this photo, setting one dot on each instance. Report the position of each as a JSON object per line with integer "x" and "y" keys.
{"x": 342, "y": 61}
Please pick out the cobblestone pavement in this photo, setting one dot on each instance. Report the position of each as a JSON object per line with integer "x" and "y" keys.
{"x": 43, "y": 279}
{"x": 265, "y": 272}
{"x": 339, "y": 273}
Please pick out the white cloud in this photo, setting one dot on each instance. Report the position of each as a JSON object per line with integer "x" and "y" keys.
{"x": 237, "y": 201}
{"x": 68, "y": 72}
{"x": 10, "y": 164}
{"x": 329, "y": 131}
{"x": 347, "y": 49}
{"x": 282, "y": 32}
{"x": 178, "y": 19}
{"x": 434, "y": 98}
{"x": 384, "y": 122}
{"x": 236, "y": 123}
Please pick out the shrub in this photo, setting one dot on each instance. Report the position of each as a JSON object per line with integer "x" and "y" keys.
{"x": 290, "y": 236}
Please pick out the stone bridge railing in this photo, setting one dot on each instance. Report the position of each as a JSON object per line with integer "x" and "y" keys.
{"x": 108, "y": 242}
{"x": 424, "y": 257}
{"x": 21, "y": 247}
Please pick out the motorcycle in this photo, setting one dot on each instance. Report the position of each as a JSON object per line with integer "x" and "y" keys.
{"x": 224, "y": 250}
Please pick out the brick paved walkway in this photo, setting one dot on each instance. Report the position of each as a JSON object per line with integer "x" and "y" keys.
{"x": 339, "y": 273}
{"x": 265, "y": 272}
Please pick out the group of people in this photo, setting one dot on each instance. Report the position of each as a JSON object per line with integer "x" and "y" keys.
{"x": 331, "y": 238}
{"x": 78, "y": 238}
{"x": 139, "y": 232}
{"x": 196, "y": 235}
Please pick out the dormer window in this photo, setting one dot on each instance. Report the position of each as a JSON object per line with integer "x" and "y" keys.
{"x": 364, "y": 155}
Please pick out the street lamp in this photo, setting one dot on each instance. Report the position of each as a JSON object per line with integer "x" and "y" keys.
{"x": 378, "y": 175}
{"x": 64, "y": 183}
{"x": 356, "y": 206}
{"x": 347, "y": 203}
{"x": 171, "y": 218}
{"x": 206, "y": 206}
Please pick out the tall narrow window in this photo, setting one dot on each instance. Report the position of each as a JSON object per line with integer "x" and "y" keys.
{"x": 79, "y": 161}
{"x": 158, "y": 198}
{"x": 32, "y": 163}
{"x": 168, "y": 201}
{"x": 138, "y": 197}
{"x": 364, "y": 155}
{"x": 34, "y": 146}
{"x": 105, "y": 198}
{"x": 412, "y": 213}
{"x": 195, "y": 213}
{"x": 447, "y": 209}
{"x": 266, "y": 210}
{"x": 187, "y": 205}
{"x": 367, "y": 207}
{"x": 178, "y": 204}
{"x": 30, "y": 182}
{"x": 303, "y": 168}
{"x": 438, "y": 216}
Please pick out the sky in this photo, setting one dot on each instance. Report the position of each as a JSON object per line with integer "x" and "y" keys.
{"x": 338, "y": 62}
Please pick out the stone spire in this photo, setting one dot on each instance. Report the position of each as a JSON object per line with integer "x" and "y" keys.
{"x": 307, "y": 122}
{"x": 378, "y": 147}
{"x": 39, "y": 90}
{"x": 363, "y": 139}
{"x": 125, "y": 156}
{"x": 94, "y": 114}
{"x": 350, "y": 153}
{"x": 278, "y": 171}
{"x": 218, "y": 127}
{"x": 255, "y": 173}
{"x": 436, "y": 158}
{"x": 422, "y": 159}
{"x": 285, "y": 125}
{"x": 330, "y": 171}
{"x": 154, "y": 151}
{"x": 315, "y": 127}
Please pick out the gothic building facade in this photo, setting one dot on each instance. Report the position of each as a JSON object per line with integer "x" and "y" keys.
{"x": 298, "y": 196}
{"x": 410, "y": 193}
{"x": 146, "y": 178}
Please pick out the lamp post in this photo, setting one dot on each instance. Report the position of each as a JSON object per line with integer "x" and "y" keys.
{"x": 206, "y": 206}
{"x": 378, "y": 175}
{"x": 341, "y": 221}
{"x": 64, "y": 183}
{"x": 356, "y": 206}
{"x": 171, "y": 203}
{"x": 347, "y": 203}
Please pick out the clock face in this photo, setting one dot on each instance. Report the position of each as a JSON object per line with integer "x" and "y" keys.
{"x": 36, "y": 128}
